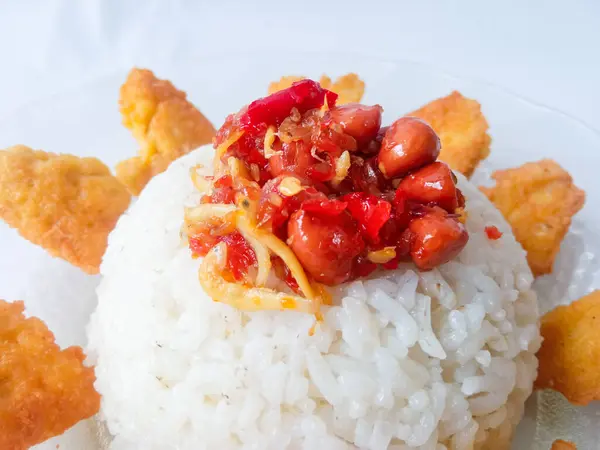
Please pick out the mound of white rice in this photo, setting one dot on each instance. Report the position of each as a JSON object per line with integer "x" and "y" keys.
{"x": 431, "y": 361}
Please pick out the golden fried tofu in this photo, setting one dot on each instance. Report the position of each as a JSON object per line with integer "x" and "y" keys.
{"x": 563, "y": 445}
{"x": 462, "y": 129}
{"x": 569, "y": 359}
{"x": 349, "y": 87}
{"x": 283, "y": 83}
{"x": 165, "y": 124}
{"x": 43, "y": 390}
{"x": 538, "y": 200}
{"x": 66, "y": 204}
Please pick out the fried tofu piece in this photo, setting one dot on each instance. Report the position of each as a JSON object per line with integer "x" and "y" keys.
{"x": 569, "y": 358}
{"x": 65, "y": 204}
{"x": 165, "y": 124}
{"x": 462, "y": 128}
{"x": 43, "y": 390}
{"x": 350, "y": 88}
{"x": 538, "y": 200}
{"x": 283, "y": 83}
{"x": 563, "y": 445}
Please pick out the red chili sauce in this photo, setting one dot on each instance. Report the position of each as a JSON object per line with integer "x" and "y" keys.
{"x": 369, "y": 196}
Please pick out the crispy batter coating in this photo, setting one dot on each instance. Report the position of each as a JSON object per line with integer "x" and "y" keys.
{"x": 563, "y": 445}
{"x": 163, "y": 121}
{"x": 350, "y": 88}
{"x": 66, "y": 204}
{"x": 43, "y": 390}
{"x": 569, "y": 359}
{"x": 283, "y": 83}
{"x": 462, "y": 128}
{"x": 538, "y": 199}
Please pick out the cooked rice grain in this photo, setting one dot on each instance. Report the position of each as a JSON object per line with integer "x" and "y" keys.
{"x": 437, "y": 360}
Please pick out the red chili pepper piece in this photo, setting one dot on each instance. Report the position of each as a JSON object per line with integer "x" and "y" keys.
{"x": 293, "y": 158}
{"x": 274, "y": 208}
{"x": 223, "y": 191}
{"x": 493, "y": 233}
{"x": 324, "y": 207}
{"x": 283, "y": 272}
{"x": 391, "y": 265}
{"x": 240, "y": 255}
{"x": 322, "y": 171}
{"x": 330, "y": 141}
{"x": 402, "y": 209}
{"x": 247, "y": 149}
{"x": 369, "y": 211}
{"x": 201, "y": 243}
{"x": 271, "y": 110}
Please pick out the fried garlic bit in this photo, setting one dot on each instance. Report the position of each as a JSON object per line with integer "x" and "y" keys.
{"x": 462, "y": 129}
{"x": 563, "y": 445}
{"x": 349, "y": 87}
{"x": 165, "y": 124}
{"x": 66, "y": 204}
{"x": 569, "y": 359}
{"x": 538, "y": 199}
{"x": 43, "y": 390}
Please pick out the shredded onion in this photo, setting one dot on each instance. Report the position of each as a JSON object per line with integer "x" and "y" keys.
{"x": 263, "y": 257}
{"x": 221, "y": 149}
{"x": 291, "y": 130}
{"x": 278, "y": 247}
{"x": 237, "y": 169}
{"x": 200, "y": 182}
{"x": 208, "y": 211}
{"x": 242, "y": 217}
{"x": 269, "y": 139}
{"x": 314, "y": 154}
{"x": 243, "y": 297}
{"x": 322, "y": 294}
{"x": 382, "y": 256}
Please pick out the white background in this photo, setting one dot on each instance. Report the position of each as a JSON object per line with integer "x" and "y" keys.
{"x": 546, "y": 51}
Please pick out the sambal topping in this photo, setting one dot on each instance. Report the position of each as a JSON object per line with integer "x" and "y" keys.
{"x": 319, "y": 193}
{"x": 272, "y": 110}
{"x": 369, "y": 212}
{"x": 408, "y": 144}
{"x": 492, "y": 233}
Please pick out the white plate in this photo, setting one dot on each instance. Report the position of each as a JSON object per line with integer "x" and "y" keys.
{"x": 85, "y": 121}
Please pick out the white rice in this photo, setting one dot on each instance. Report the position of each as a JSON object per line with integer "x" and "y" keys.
{"x": 429, "y": 361}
